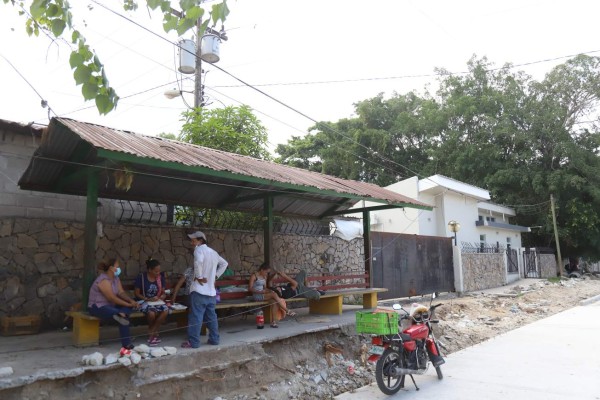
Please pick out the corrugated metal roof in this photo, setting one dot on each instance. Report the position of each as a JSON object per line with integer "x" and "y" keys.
{"x": 63, "y": 141}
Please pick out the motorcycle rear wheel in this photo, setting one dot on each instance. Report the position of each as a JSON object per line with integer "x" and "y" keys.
{"x": 389, "y": 360}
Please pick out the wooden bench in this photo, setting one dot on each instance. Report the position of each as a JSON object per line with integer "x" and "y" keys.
{"x": 336, "y": 287}
{"x": 86, "y": 327}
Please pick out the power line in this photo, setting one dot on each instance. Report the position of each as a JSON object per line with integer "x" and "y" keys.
{"x": 333, "y": 81}
{"x": 44, "y": 102}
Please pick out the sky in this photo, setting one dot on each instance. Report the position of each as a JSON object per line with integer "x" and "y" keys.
{"x": 317, "y": 57}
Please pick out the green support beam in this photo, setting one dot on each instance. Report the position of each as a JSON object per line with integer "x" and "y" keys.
{"x": 268, "y": 229}
{"x": 89, "y": 244}
{"x": 367, "y": 244}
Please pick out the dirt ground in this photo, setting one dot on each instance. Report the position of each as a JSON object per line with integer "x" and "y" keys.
{"x": 301, "y": 371}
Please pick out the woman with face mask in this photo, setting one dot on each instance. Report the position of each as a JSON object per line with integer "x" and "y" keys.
{"x": 109, "y": 300}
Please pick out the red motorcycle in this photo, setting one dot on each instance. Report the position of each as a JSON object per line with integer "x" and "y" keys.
{"x": 408, "y": 352}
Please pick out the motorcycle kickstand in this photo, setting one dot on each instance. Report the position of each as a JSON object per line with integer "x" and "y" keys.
{"x": 414, "y": 383}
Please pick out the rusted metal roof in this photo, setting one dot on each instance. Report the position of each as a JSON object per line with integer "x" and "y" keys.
{"x": 173, "y": 172}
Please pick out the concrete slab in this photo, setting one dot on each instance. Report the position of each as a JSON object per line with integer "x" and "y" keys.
{"x": 51, "y": 355}
{"x": 551, "y": 359}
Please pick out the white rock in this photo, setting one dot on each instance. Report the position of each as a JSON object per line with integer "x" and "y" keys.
{"x": 85, "y": 360}
{"x": 135, "y": 358}
{"x": 317, "y": 379}
{"x": 111, "y": 358}
{"x": 95, "y": 359}
{"x": 142, "y": 348}
{"x": 6, "y": 371}
{"x": 170, "y": 350}
{"x": 158, "y": 352}
{"x": 126, "y": 361}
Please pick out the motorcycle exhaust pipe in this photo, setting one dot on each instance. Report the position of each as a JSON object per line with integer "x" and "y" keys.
{"x": 407, "y": 371}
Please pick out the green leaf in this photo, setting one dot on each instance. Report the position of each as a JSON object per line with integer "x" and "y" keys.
{"x": 89, "y": 91}
{"x": 38, "y": 8}
{"x": 52, "y": 10}
{"x": 75, "y": 59}
{"x": 187, "y": 4}
{"x": 194, "y": 13}
{"x": 82, "y": 74}
{"x": 58, "y": 27}
{"x": 103, "y": 104}
{"x": 220, "y": 12}
{"x": 153, "y": 4}
{"x": 184, "y": 25}
{"x": 29, "y": 30}
{"x": 170, "y": 23}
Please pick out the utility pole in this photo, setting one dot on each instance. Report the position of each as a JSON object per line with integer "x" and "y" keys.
{"x": 198, "y": 87}
{"x": 560, "y": 266}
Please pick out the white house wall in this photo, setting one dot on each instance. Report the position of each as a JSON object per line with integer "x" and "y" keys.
{"x": 462, "y": 209}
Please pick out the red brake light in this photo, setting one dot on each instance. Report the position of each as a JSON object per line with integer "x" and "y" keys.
{"x": 377, "y": 340}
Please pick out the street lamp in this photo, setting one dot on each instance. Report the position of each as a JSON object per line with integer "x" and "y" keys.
{"x": 454, "y": 227}
{"x": 172, "y": 93}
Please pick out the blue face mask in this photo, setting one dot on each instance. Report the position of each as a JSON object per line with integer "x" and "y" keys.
{"x": 118, "y": 271}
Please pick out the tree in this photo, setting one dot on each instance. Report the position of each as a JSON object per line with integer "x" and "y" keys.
{"x": 492, "y": 127}
{"x": 54, "y": 18}
{"x": 232, "y": 129}
{"x": 386, "y": 141}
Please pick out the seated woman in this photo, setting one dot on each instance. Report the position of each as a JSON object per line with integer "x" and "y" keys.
{"x": 260, "y": 292}
{"x": 109, "y": 300}
{"x": 150, "y": 287}
{"x": 288, "y": 290}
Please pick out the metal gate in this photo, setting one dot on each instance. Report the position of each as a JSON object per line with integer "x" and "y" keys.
{"x": 531, "y": 264}
{"x": 512, "y": 260}
{"x": 411, "y": 265}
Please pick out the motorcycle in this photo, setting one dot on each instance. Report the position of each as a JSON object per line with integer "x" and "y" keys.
{"x": 408, "y": 352}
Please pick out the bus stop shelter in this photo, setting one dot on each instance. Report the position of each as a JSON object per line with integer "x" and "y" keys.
{"x": 94, "y": 161}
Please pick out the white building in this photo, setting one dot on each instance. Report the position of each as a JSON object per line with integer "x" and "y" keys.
{"x": 482, "y": 223}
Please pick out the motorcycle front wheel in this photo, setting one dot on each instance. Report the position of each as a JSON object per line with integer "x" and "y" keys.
{"x": 388, "y": 382}
{"x": 438, "y": 370}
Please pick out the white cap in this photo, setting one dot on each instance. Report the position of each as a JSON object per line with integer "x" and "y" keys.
{"x": 197, "y": 235}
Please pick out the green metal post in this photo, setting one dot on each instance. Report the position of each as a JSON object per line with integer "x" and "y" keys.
{"x": 89, "y": 244}
{"x": 367, "y": 244}
{"x": 268, "y": 228}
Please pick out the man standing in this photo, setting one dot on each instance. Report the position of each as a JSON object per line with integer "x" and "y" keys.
{"x": 208, "y": 266}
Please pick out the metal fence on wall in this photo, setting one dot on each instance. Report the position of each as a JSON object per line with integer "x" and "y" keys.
{"x": 135, "y": 212}
{"x": 468, "y": 247}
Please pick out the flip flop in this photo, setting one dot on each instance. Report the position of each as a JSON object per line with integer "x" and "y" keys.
{"x": 291, "y": 313}
{"x": 273, "y": 325}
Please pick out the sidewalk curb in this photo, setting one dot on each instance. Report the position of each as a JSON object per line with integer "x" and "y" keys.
{"x": 589, "y": 301}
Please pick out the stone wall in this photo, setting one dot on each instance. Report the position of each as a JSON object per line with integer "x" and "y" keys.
{"x": 547, "y": 265}
{"x": 41, "y": 261}
{"x": 483, "y": 270}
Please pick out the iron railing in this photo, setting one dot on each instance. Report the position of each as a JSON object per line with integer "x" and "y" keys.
{"x": 135, "y": 212}
{"x": 467, "y": 247}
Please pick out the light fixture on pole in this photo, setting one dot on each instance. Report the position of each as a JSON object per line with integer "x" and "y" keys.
{"x": 172, "y": 93}
{"x": 454, "y": 227}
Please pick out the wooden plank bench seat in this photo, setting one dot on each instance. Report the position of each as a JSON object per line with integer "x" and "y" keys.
{"x": 329, "y": 303}
{"x": 86, "y": 327}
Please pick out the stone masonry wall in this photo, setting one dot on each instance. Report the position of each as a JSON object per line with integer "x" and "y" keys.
{"x": 483, "y": 270}
{"x": 41, "y": 261}
{"x": 547, "y": 265}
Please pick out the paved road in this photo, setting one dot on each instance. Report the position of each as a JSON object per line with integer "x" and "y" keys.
{"x": 557, "y": 358}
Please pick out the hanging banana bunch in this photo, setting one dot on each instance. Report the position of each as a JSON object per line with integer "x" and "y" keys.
{"x": 123, "y": 178}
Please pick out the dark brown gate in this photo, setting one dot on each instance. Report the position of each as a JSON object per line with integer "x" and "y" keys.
{"x": 411, "y": 265}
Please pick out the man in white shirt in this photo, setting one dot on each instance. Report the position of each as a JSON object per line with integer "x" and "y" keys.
{"x": 208, "y": 266}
